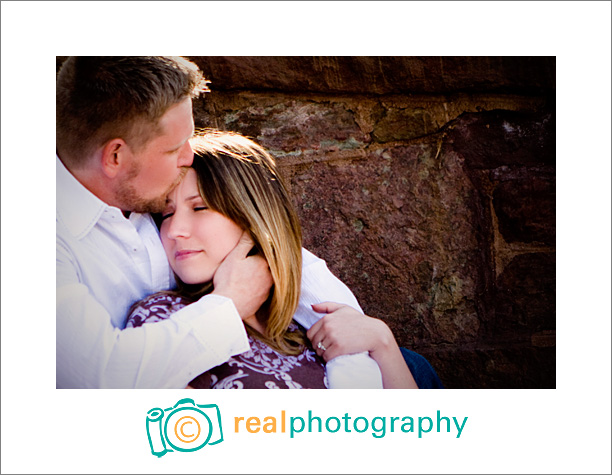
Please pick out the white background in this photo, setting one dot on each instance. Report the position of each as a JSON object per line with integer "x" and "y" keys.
{"x": 566, "y": 430}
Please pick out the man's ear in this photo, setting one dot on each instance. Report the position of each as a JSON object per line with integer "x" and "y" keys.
{"x": 114, "y": 157}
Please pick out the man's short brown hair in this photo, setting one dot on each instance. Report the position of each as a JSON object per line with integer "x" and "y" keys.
{"x": 100, "y": 98}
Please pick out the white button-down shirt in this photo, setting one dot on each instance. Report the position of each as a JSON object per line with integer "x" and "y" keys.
{"x": 107, "y": 262}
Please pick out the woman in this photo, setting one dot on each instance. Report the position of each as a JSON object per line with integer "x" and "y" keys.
{"x": 232, "y": 187}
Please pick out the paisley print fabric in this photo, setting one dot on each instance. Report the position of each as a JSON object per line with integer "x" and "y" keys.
{"x": 259, "y": 368}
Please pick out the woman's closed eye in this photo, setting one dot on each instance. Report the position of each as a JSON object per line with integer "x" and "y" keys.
{"x": 168, "y": 214}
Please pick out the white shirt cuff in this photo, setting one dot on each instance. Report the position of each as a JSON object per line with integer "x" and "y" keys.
{"x": 218, "y": 327}
{"x": 358, "y": 371}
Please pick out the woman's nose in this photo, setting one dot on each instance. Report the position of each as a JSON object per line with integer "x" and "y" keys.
{"x": 177, "y": 227}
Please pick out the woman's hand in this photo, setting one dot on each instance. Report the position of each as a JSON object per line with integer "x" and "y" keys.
{"x": 344, "y": 331}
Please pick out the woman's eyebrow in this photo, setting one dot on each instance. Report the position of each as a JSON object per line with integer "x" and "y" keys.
{"x": 193, "y": 198}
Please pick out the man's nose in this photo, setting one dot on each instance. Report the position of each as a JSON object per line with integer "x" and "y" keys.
{"x": 186, "y": 156}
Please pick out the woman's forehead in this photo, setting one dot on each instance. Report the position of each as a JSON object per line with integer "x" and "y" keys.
{"x": 187, "y": 189}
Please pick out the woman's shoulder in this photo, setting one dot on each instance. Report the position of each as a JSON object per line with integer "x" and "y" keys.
{"x": 155, "y": 307}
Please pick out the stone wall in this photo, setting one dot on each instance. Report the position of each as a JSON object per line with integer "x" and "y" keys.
{"x": 428, "y": 186}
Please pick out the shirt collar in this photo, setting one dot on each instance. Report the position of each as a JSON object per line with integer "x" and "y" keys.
{"x": 76, "y": 207}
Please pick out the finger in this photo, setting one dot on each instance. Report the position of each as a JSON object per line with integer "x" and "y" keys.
{"x": 321, "y": 348}
{"x": 329, "y": 354}
{"x": 313, "y": 330}
{"x": 331, "y": 351}
{"x": 327, "y": 307}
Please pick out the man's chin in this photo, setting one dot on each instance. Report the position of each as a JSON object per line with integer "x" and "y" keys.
{"x": 152, "y": 206}
{"x": 137, "y": 204}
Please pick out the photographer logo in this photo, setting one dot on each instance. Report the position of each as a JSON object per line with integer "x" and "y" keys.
{"x": 185, "y": 427}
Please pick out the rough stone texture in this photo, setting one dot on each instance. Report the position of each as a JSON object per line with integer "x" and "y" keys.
{"x": 375, "y": 222}
{"x": 379, "y": 75}
{"x": 526, "y": 296}
{"x": 502, "y": 138}
{"x": 524, "y": 203}
{"x": 428, "y": 186}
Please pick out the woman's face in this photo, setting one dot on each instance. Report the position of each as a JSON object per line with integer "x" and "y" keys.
{"x": 195, "y": 238}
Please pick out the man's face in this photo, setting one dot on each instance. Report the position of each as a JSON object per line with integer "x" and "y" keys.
{"x": 158, "y": 166}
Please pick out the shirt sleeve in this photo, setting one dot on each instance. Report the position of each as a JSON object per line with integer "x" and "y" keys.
{"x": 320, "y": 285}
{"x": 91, "y": 353}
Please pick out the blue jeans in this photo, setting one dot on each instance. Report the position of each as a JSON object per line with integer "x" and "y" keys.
{"x": 422, "y": 371}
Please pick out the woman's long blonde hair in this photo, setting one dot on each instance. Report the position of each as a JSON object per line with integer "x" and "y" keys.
{"x": 239, "y": 179}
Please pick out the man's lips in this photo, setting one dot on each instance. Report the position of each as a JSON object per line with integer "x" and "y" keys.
{"x": 185, "y": 254}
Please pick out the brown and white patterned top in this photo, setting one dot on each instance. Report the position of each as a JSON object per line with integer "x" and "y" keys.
{"x": 259, "y": 368}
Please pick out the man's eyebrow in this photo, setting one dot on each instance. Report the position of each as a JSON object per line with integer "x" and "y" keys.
{"x": 184, "y": 141}
{"x": 179, "y": 146}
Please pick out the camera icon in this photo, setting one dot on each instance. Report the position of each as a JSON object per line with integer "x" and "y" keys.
{"x": 185, "y": 427}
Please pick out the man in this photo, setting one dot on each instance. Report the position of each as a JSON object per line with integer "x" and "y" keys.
{"x": 123, "y": 129}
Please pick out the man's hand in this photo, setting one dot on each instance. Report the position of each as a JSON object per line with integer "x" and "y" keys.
{"x": 244, "y": 279}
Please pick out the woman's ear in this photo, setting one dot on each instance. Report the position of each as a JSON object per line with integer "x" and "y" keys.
{"x": 114, "y": 155}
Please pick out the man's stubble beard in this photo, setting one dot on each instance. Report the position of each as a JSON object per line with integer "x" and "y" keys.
{"x": 131, "y": 201}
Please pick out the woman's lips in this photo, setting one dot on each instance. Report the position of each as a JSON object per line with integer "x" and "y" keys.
{"x": 185, "y": 254}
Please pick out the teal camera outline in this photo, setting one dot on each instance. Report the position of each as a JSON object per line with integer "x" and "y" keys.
{"x": 157, "y": 426}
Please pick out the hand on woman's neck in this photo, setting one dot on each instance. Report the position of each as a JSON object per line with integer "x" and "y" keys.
{"x": 255, "y": 324}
